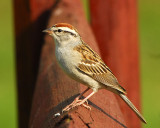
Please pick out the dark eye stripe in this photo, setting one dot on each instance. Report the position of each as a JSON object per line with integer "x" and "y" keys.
{"x": 70, "y": 33}
{"x": 59, "y": 30}
{"x": 55, "y": 31}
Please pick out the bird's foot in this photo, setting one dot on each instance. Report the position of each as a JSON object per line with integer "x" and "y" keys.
{"x": 77, "y": 102}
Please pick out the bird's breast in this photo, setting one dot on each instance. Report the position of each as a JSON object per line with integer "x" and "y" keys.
{"x": 68, "y": 59}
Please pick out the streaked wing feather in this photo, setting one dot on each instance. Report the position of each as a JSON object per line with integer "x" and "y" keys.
{"x": 93, "y": 66}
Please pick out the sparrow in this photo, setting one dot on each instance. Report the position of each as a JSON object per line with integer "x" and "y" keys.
{"x": 84, "y": 65}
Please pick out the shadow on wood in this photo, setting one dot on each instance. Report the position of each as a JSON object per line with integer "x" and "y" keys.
{"x": 28, "y": 41}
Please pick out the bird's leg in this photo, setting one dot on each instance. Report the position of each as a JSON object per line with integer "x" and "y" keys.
{"x": 84, "y": 100}
{"x": 76, "y": 100}
{"x": 81, "y": 102}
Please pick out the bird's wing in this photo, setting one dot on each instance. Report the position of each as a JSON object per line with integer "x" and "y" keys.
{"x": 93, "y": 66}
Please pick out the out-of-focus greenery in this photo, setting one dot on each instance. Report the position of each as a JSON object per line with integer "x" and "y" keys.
{"x": 149, "y": 26}
{"x": 86, "y": 9}
{"x": 8, "y": 116}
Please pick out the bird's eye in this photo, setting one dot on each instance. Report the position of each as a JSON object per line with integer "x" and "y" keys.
{"x": 59, "y": 30}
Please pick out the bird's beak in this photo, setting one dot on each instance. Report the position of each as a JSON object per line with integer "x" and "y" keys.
{"x": 49, "y": 31}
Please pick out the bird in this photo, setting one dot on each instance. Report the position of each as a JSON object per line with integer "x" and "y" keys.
{"x": 77, "y": 59}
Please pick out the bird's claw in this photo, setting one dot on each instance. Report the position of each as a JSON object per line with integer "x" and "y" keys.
{"x": 76, "y": 103}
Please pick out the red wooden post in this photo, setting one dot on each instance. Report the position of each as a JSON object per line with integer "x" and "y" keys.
{"x": 115, "y": 26}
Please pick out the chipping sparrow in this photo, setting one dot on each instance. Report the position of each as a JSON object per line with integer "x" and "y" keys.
{"x": 82, "y": 64}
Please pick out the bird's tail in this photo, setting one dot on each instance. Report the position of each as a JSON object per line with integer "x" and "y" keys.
{"x": 129, "y": 103}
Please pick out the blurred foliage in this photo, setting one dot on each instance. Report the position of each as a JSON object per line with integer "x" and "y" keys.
{"x": 86, "y": 9}
{"x": 8, "y": 115}
{"x": 149, "y": 26}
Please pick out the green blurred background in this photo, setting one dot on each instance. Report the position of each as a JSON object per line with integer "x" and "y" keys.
{"x": 149, "y": 34}
{"x": 8, "y": 110}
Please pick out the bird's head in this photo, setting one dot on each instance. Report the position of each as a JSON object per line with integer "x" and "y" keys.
{"x": 63, "y": 32}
